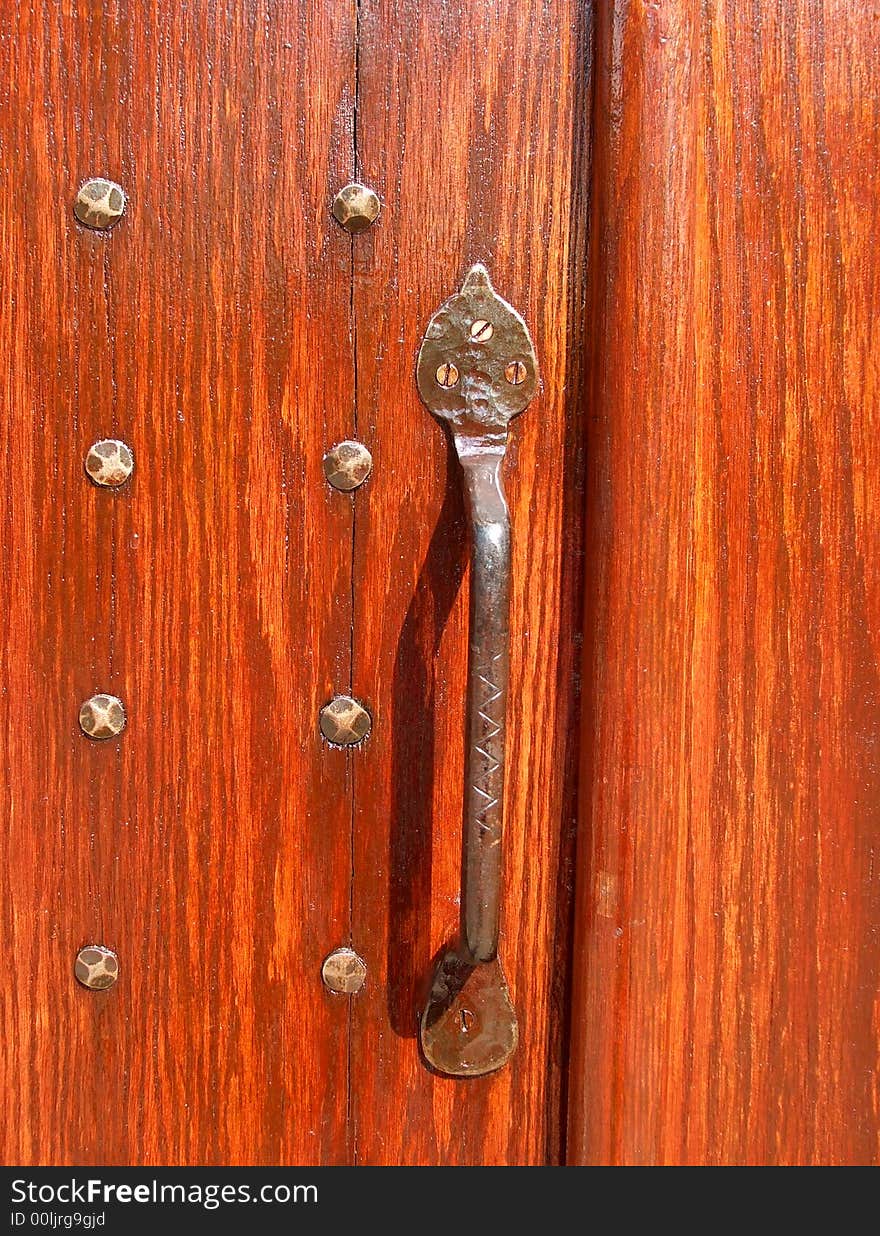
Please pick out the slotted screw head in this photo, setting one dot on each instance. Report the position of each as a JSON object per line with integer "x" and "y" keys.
{"x": 482, "y": 331}
{"x": 102, "y": 716}
{"x": 99, "y": 204}
{"x": 348, "y": 465}
{"x": 344, "y": 721}
{"x": 96, "y": 967}
{"x": 515, "y": 373}
{"x": 344, "y": 972}
{"x": 109, "y": 463}
{"x": 356, "y": 207}
{"x": 447, "y": 374}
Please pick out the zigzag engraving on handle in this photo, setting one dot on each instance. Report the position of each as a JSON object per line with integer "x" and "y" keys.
{"x": 488, "y": 744}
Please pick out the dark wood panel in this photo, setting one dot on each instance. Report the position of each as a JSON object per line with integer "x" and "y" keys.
{"x": 210, "y": 329}
{"x": 470, "y": 124}
{"x": 729, "y": 908}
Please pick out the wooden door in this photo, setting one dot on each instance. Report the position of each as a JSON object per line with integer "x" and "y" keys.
{"x": 727, "y": 960}
{"x": 230, "y": 332}
{"x": 209, "y": 845}
{"x": 680, "y": 199}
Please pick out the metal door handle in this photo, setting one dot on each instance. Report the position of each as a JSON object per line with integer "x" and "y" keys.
{"x": 477, "y": 370}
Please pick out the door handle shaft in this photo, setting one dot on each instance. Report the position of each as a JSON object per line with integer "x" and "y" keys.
{"x": 477, "y": 370}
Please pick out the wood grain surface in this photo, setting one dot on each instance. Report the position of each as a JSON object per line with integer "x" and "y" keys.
{"x": 471, "y": 125}
{"x": 230, "y": 332}
{"x": 725, "y": 1007}
{"x": 210, "y": 845}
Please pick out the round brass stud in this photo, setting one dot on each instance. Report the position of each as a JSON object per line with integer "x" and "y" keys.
{"x": 99, "y": 204}
{"x": 348, "y": 465}
{"x": 102, "y": 716}
{"x": 356, "y": 207}
{"x": 96, "y": 967}
{"x": 344, "y": 972}
{"x": 109, "y": 463}
{"x": 345, "y": 722}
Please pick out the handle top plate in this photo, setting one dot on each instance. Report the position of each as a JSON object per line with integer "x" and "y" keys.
{"x": 477, "y": 366}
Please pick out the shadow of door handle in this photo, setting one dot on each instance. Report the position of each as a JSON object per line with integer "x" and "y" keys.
{"x": 477, "y": 370}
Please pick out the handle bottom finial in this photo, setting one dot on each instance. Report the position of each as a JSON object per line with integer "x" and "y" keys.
{"x": 468, "y": 1027}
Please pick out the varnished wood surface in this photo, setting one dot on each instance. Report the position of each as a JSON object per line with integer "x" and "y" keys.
{"x": 210, "y": 845}
{"x": 228, "y": 330}
{"x": 471, "y": 125}
{"x": 729, "y": 906}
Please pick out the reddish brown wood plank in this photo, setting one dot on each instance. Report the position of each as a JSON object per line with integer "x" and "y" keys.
{"x": 210, "y": 845}
{"x": 729, "y": 908}
{"x": 471, "y": 123}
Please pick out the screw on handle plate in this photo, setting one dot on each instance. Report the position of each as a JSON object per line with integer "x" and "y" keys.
{"x": 477, "y": 370}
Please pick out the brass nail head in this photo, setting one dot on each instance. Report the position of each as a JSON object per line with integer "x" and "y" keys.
{"x": 356, "y": 207}
{"x": 99, "y": 203}
{"x": 109, "y": 463}
{"x": 345, "y": 722}
{"x": 344, "y": 972}
{"x": 347, "y": 465}
{"x": 102, "y": 716}
{"x": 96, "y": 967}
